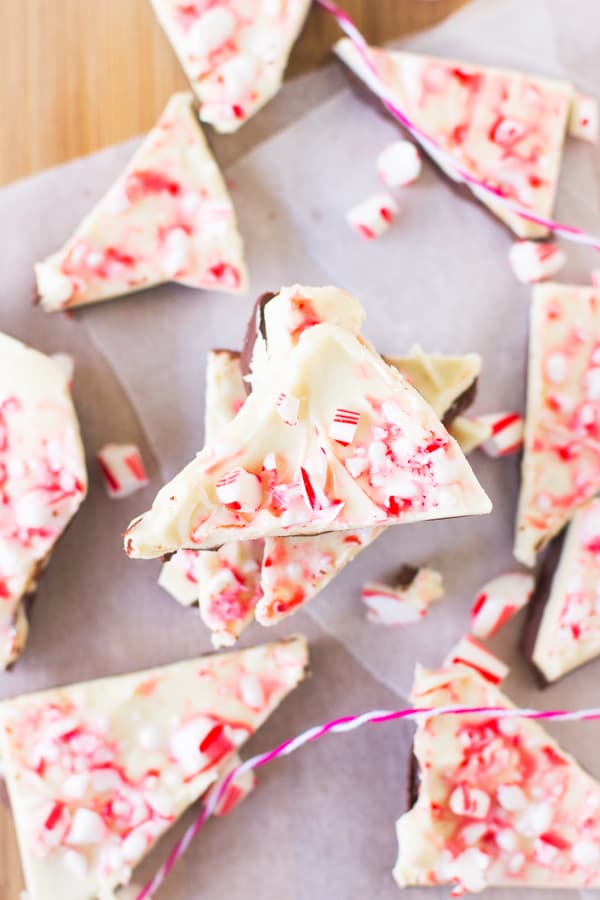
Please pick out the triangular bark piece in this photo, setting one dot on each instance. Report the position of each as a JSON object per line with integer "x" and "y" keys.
{"x": 561, "y": 463}
{"x": 233, "y": 53}
{"x": 499, "y": 803}
{"x": 98, "y": 772}
{"x": 568, "y": 634}
{"x": 43, "y": 478}
{"x": 333, "y": 440}
{"x": 505, "y": 128}
{"x": 168, "y": 217}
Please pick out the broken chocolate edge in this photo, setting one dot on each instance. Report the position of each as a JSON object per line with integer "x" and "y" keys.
{"x": 255, "y": 326}
{"x": 537, "y": 604}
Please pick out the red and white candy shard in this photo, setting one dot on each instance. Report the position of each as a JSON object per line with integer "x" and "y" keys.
{"x": 506, "y": 431}
{"x": 43, "y": 478}
{"x": 235, "y": 792}
{"x": 498, "y": 601}
{"x": 561, "y": 462}
{"x": 373, "y": 216}
{"x": 233, "y": 52}
{"x": 504, "y": 128}
{"x": 123, "y": 469}
{"x": 168, "y": 217}
{"x": 569, "y": 631}
{"x": 98, "y": 772}
{"x": 532, "y": 261}
{"x": 469, "y": 652}
{"x": 399, "y": 164}
{"x": 500, "y": 804}
{"x": 402, "y": 605}
{"x": 264, "y": 478}
{"x": 584, "y": 121}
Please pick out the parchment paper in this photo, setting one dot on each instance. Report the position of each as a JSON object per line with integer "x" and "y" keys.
{"x": 321, "y": 824}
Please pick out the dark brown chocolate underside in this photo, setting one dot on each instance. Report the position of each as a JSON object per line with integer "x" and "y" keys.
{"x": 225, "y": 351}
{"x": 256, "y": 326}
{"x": 367, "y": 96}
{"x": 539, "y": 599}
{"x": 406, "y": 576}
{"x": 413, "y": 780}
{"x": 462, "y": 403}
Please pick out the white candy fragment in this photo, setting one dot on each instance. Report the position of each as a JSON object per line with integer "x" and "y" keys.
{"x": 123, "y": 469}
{"x": 469, "y": 801}
{"x": 402, "y": 605}
{"x": 506, "y": 431}
{"x": 87, "y": 827}
{"x": 499, "y": 600}
{"x": 584, "y": 118}
{"x": 343, "y": 426}
{"x": 532, "y": 261}
{"x": 240, "y": 489}
{"x": 399, "y": 164}
{"x": 288, "y": 407}
{"x": 67, "y": 364}
{"x": 470, "y": 653}
{"x": 372, "y": 217}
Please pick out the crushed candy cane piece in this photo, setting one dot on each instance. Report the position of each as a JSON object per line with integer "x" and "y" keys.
{"x": 240, "y": 489}
{"x": 532, "y": 261}
{"x": 343, "y": 426}
{"x": 506, "y": 433}
{"x": 399, "y": 164}
{"x": 499, "y": 600}
{"x": 372, "y": 217}
{"x": 470, "y": 652}
{"x": 406, "y": 603}
{"x": 235, "y": 792}
{"x": 288, "y": 407}
{"x": 123, "y": 469}
{"x": 584, "y": 118}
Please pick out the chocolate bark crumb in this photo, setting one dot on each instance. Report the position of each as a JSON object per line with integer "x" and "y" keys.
{"x": 413, "y": 779}
{"x": 539, "y": 599}
{"x": 234, "y": 354}
{"x": 406, "y": 576}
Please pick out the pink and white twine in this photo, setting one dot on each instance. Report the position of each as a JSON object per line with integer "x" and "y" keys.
{"x": 341, "y": 726}
{"x": 569, "y": 232}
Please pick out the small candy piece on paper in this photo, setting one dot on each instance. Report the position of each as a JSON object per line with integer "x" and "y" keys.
{"x": 123, "y": 469}
{"x": 372, "y": 217}
{"x": 406, "y": 603}
{"x": 499, "y": 600}
{"x": 506, "y": 433}
{"x": 532, "y": 261}
{"x": 399, "y": 164}
{"x": 470, "y": 652}
{"x": 584, "y": 119}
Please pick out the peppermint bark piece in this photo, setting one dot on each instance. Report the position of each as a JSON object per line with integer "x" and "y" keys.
{"x": 43, "y": 478}
{"x": 361, "y": 448}
{"x": 561, "y": 462}
{"x": 233, "y": 52}
{"x": 504, "y": 128}
{"x": 168, "y": 217}
{"x": 568, "y": 633}
{"x": 98, "y": 772}
{"x": 499, "y": 803}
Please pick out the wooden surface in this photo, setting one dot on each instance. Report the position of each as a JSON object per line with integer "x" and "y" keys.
{"x": 81, "y": 74}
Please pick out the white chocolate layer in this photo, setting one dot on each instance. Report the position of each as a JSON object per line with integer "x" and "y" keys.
{"x": 168, "y": 217}
{"x": 499, "y": 802}
{"x": 265, "y": 478}
{"x": 98, "y": 772}
{"x": 569, "y": 632}
{"x": 234, "y": 52}
{"x": 561, "y": 462}
{"x": 43, "y": 478}
{"x": 504, "y": 128}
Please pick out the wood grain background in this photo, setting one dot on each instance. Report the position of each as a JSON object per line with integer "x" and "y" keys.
{"x": 78, "y": 75}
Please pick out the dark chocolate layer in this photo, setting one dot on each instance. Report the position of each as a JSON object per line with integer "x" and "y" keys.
{"x": 462, "y": 403}
{"x": 256, "y": 326}
{"x": 539, "y": 599}
{"x": 413, "y": 780}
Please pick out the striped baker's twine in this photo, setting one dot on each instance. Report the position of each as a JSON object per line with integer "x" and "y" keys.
{"x": 341, "y": 726}
{"x": 569, "y": 232}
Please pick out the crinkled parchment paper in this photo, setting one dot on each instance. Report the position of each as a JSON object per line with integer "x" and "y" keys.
{"x": 321, "y": 824}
